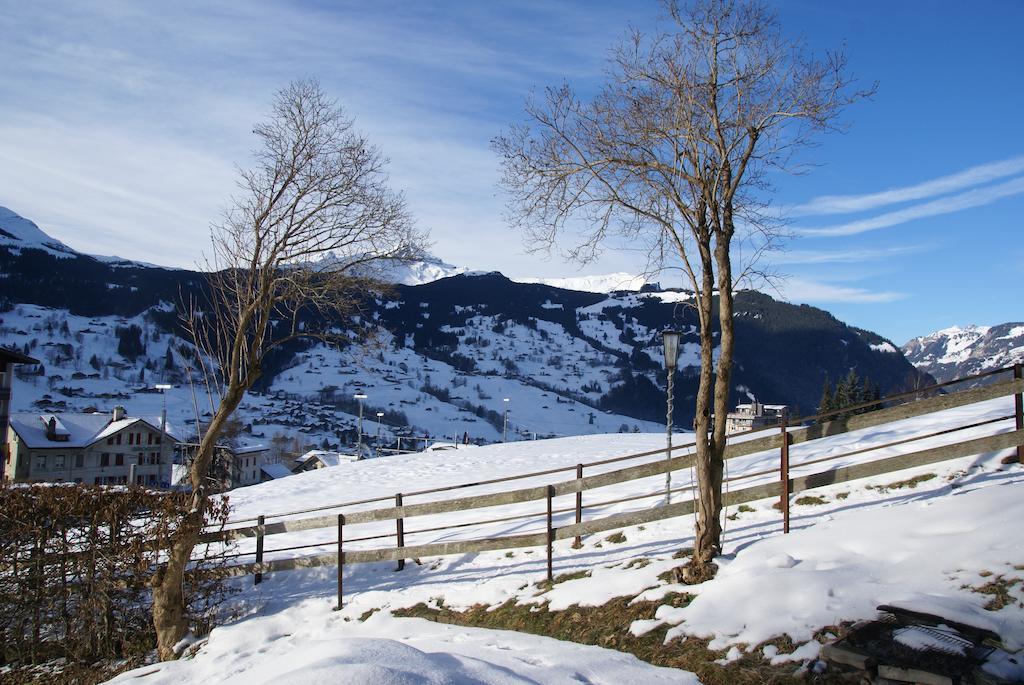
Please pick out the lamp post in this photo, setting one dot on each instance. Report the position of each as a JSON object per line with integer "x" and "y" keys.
{"x": 359, "y": 442}
{"x": 670, "y": 340}
{"x": 380, "y": 415}
{"x": 504, "y": 430}
{"x": 163, "y": 387}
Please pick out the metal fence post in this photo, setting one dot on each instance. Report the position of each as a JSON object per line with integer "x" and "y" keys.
{"x": 400, "y": 530}
{"x": 579, "y": 506}
{"x": 784, "y": 472}
{"x": 1018, "y": 406}
{"x": 259, "y": 548}
{"x": 341, "y": 560}
{"x": 551, "y": 532}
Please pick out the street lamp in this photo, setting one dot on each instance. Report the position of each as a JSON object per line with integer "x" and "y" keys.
{"x": 670, "y": 340}
{"x": 359, "y": 442}
{"x": 504, "y": 430}
{"x": 163, "y": 429}
{"x": 380, "y": 415}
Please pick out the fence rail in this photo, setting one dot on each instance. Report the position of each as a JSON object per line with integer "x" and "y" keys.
{"x": 784, "y": 486}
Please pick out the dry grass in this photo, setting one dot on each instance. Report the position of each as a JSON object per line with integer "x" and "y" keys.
{"x": 616, "y": 538}
{"x": 59, "y": 673}
{"x": 608, "y": 626}
{"x": 908, "y": 483}
{"x": 999, "y": 589}
{"x": 808, "y": 500}
{"x": 638, "y": 563}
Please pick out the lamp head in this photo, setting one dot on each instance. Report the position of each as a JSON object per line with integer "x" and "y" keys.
{"x": 670, "y": 340}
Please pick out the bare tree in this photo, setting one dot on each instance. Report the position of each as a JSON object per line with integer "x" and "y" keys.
{"x": 299, "y": 245}
{"x": 671, "y": 157}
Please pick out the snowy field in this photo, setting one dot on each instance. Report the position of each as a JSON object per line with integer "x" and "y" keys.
{"x": 928, "y": 547}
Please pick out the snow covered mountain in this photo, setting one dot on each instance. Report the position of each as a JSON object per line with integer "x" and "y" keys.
{"x": 446, "y": 353}
{"x": 962, "y": 351}
{"x": 606, "y": 283}
{"x": 18, "y": 233}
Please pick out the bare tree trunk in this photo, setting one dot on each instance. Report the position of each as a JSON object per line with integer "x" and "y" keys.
{"x": 170, "y": 615}
{"x": 707, "y": 534}
{"x": 170, "y": 604}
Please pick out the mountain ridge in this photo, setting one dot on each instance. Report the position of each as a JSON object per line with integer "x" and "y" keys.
{"x": 959, "y": 351}
{"x": 451, "y": 349}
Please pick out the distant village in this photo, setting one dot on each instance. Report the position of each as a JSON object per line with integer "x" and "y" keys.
{"x": 116, "y": 448}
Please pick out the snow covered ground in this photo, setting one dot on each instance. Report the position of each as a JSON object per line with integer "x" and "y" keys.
{"x": 930, "y": 538}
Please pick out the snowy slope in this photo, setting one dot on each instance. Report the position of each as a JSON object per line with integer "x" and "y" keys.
{"x": 312, "y": 400}
{"x": 17, "y": 233}
{"x": 962, "y": 351}
{"x": 933, "y": 546}
{"x": 604, "y": 283}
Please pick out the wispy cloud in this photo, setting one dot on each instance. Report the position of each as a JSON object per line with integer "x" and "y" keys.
{"x": 856, "y": 256}
{"x": 847, "y": 204}
{"x": 946, "y": 205}
{"x": 814, "y": 292}
{"x": 121, "y": 121}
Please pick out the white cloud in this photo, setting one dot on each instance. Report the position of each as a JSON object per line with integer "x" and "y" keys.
{"x": 947, "y": 205}
{"x": 856, "y": 256}
{"x": 814, "y": 292}
{"x": 845, "y": 204}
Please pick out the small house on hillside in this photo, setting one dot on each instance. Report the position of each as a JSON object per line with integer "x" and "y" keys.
{"x": 234, "y": 466}
{"x": 754, "y": 415}
{"x": 321, "y": 459}
{"x": 96, "y": 449}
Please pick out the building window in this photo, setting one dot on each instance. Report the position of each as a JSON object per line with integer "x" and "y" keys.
{"x": 119, "y": 459}
{"x": 39, "y": 463}
{"x": 118, "y": 440}
{"x": 105, "y": 459}
{"x": 110, "y": 440}
{"x": 131, "y": 438}
{"x": 79, "y": 461}
{"x": 58, "y": 461}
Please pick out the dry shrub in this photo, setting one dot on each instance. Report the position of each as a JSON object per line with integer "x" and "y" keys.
{"x": 75, "y": 564}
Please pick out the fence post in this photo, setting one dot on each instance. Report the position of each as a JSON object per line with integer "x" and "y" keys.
{"x": 259, "y": 548}
{"x": 400, "y": 530}
{"x": 341, "y": 560}
{"x": 784, "y": 471}
{"x": 551, "y": 532}
{"x": 579, "y": 506}
{"x": 1018, "y": 406}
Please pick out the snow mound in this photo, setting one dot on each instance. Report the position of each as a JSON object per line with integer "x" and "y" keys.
{"x": 312, "y": 647}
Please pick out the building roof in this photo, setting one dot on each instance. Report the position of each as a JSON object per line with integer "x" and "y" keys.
{"x": 9, "y": 356}
{"x": 275, "y": 470}
{"x": 327, "y": 458}
{"x": 81, "y": 430}
{"x": 250, "y": 449}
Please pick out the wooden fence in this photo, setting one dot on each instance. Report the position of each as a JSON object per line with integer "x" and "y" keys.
{"x": 784, "y": 486}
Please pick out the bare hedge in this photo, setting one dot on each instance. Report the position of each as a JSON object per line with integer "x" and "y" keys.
{"x": 75, "y": 564}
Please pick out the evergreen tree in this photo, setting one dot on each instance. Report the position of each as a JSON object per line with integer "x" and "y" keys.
{"x": 826, "y": 404}
{"x": 129, "y": 342}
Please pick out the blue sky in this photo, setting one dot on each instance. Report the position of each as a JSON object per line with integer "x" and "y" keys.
{"x": 121, "y": 123}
